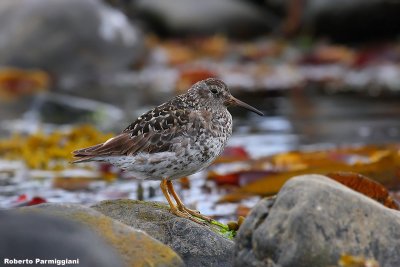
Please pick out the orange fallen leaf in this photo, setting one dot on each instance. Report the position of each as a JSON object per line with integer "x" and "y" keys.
{"x": 380, "y": 162}
{"x": 214, "y": 46}
{"x": 365, "y": 186}
{"x": 356, "y": 261}
{"x": 18, "y": 82}
{"x": 72, "y": 184}
{"x": 234, "y": 197}
{"x": 184, "y": 182}
{"x": 242, "y": 210}
{"x": 232, "y": 154}
{"x": 227, "y": 179}
{"x": 178, "y": 53}
{"x": 190, "y": 76}
{"x": 332, "y": 54}
{"x": 238, "y": 178}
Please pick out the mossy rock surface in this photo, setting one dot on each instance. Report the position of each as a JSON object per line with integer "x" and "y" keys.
{"x": 197, "y": 245}
{"x": 136, "y": 247}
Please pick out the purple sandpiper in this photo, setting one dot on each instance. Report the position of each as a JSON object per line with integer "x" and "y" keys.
{"x": 173, "y": 140}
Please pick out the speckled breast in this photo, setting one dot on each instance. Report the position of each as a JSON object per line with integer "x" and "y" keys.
{"x": 188, "y": 155}
{"x": 213, "y": 142}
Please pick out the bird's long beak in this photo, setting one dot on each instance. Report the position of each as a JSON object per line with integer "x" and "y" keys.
{"x": 236, "y": 102}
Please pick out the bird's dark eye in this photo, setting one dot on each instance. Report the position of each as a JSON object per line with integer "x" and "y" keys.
{"x": 214, "y": 91}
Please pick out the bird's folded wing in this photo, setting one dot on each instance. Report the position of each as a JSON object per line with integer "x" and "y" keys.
{"x": 155, "y": 131}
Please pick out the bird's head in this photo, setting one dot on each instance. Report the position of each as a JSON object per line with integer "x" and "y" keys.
{"x": 215, "y": 93}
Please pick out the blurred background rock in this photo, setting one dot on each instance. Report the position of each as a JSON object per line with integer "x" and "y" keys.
{"x": 67, "y": 37}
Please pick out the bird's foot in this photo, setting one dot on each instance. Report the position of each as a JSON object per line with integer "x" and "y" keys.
{"x": 179, "y": 209}
{"x": 194, "y": 213}
{"x": 186, "y": 215}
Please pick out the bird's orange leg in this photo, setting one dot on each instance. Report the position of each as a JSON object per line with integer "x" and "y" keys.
{"x": 181, "y": 206}
{"x": 173, "y": 207}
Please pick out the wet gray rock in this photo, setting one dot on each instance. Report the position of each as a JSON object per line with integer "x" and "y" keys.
{"x": 354, "y": 20}
{"x": 191, "y": 17}
{"x": 135, "y": 247}
{"x": 65, "y": 109}
{"x": 345, "y": 20}
{"x": 67, "y": 36}
{"x": 312, "y": 222}
{"x": 197, "y": 245}
{"x": 31, "y": 236}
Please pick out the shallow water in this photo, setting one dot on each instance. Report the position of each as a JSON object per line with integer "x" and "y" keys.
{"x": 308, "y": 120}
{"x": 299, "y": 119}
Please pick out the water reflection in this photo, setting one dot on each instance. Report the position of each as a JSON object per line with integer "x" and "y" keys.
{"x": 309, "y": 117}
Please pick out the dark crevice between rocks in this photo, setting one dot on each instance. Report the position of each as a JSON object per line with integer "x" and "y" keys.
{"x": 260, "y": 220}
{"x": 270, "y": 203}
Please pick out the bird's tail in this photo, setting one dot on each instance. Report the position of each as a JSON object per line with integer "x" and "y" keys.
{"x": 85, "y": 154}
{"x": 120, "y": 144}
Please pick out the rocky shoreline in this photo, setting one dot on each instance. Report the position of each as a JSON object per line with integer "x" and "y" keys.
{"x": 312, "y": 221}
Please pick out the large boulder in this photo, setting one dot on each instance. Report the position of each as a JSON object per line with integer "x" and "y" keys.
{"x": 354, "y": 20}
{"x": 196, "y": 244}
{"x": 136, "y": 247}
{"x": 312, "y": 222}
{"x": 30, "y": 236}
{"x": 345, "y": 20}
{"x": 66, "y": 36}
{"x": 191, "y": 17}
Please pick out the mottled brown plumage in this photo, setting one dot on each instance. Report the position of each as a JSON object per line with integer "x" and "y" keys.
{"x": 173, "y": 140}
